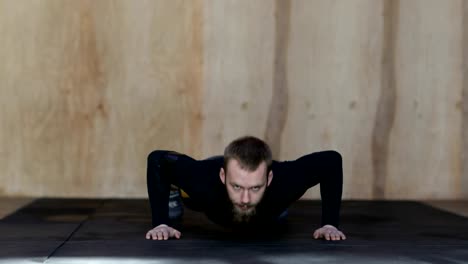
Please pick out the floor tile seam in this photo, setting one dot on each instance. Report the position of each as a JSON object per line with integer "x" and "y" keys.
{"x": 73, "y": 232}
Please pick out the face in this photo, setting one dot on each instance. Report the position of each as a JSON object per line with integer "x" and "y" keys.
{"x": 245, "y": 188}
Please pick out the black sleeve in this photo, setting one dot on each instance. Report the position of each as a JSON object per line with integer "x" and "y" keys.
{"x": 293, "y": 178}
{"x": 331, "y": 186}
{"x": 158, "y": 184}
{"x": 197, "y": 178}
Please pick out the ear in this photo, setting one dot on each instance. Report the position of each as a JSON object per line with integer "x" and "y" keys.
{"x": 222, "y": 175}
{"x": 270, "y": 177}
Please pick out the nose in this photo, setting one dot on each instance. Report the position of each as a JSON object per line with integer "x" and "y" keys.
{"x": 245, "y": 197}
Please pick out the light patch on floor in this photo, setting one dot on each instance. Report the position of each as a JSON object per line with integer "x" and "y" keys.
{"x": 455, "y": 207}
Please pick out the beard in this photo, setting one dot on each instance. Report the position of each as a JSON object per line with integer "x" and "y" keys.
{"x": 239, "y": 216}
{"x": 243, "y": 216}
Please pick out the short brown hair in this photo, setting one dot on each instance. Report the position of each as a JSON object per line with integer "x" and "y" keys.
{"x": 249, "y": 151}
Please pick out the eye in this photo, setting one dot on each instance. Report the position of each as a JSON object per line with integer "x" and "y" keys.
{"x": 256, "y": 188}
{"x": 236, "y": 187}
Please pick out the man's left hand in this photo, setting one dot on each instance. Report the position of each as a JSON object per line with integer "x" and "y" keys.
{"x": 329, "y": 232}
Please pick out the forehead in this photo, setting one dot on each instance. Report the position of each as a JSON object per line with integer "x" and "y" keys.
{"x": 239, "y": 175}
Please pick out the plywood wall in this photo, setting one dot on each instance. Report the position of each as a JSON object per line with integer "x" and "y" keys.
{"x": 89, "y": 88}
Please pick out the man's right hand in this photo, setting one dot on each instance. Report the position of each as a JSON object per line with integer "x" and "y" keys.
{"x": 163, "y": 232}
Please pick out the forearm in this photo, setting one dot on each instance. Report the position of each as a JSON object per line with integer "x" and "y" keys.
{"x": 158, "y": 184}
{"x": 331, "y": 188}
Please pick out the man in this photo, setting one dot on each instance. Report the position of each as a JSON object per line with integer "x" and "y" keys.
{"x": 243, "y": 188}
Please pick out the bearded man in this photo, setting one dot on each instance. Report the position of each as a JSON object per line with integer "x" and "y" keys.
{"x": 243, "y": 188}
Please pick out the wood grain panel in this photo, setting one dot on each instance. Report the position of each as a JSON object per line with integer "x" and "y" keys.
{"x": 385, "y": 117}
{"x": 464, "y": 104}
{"x": 279, "y": 102}
{"x": 425, "y": 149}
{"x": 239, "y": 39}
{"x": 334, "y": 79}
{"x": 91, "y": 87}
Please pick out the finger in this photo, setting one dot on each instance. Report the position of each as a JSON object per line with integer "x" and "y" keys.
{"x": 315, "y": 234}
{"x": 159, "y": 235}
{"x": 177, "y": 233}
{"x": 335, "y": 236}
{"x": 165, "y": 234}
{"x": 149, "y": 235}
{"x": 338, "y": 235}
{"x": 172, "y": 232}
{"x": 319, "y": 235}
{"x": 342, "y": 236}
{"x": 327, "y": 236}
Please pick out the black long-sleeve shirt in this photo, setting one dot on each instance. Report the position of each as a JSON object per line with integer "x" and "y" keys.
{"x": 200, "y": 180}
